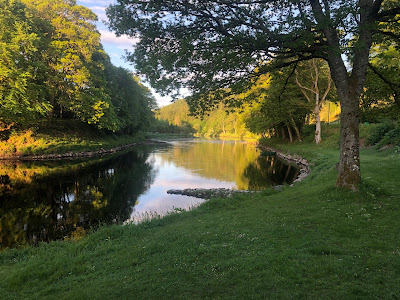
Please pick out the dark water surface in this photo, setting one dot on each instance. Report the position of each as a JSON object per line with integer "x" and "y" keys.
{"x": 43, "y": 201}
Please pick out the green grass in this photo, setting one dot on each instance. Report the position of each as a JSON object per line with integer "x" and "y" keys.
{"x": 61, "y": 136}
{"x": 309, "y": 241}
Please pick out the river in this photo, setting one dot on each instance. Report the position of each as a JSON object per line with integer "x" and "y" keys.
{"x": 57, "y": 200}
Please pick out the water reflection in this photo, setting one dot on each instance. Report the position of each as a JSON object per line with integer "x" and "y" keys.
{"x": 230, "y": 161}
{"x": 269, "y": 171}
{"x": 42, "y": 201}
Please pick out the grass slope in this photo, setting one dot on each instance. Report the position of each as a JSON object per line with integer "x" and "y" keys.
{"x": 61, "y": 136}
{"x": 309, "y": 241}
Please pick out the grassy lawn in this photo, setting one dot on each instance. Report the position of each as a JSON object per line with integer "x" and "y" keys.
{"x": 309, "y": 241}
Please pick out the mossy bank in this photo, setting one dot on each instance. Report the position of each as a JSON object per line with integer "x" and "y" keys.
{"x": 63, "y": 139}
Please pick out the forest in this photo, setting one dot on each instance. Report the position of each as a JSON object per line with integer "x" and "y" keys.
{"x": 222, "y": 48}
{"x": 260, "y": 112}
{"x": 53, "y": 67}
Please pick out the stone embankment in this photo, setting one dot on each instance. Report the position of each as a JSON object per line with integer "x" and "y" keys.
{"x": 295, "y": 159}
{"x": 225, "y": 193}
{"x": 85, "y": 154}
{"x": 209, "y": 193}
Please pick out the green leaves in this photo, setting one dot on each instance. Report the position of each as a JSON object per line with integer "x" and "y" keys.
{"x": 52, "y": 64}
{"x": 20, "y": 94}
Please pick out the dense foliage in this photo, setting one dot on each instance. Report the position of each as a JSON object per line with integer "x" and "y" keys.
{"x": 52, "y": 65}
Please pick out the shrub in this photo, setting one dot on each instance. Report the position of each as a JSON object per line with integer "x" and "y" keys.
{"x": 390, "y": 137}
{"x": 378, "y": 132}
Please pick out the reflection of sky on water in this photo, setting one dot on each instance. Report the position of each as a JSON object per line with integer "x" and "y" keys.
{"x": 156, "y": 201}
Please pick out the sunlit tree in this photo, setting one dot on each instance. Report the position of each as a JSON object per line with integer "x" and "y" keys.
{"x": 21, "y": 95}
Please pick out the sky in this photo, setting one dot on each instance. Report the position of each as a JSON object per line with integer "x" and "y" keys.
{"x": 113, "y": 45}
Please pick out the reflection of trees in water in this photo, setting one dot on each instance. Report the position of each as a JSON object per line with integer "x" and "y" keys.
{"x": 269, "y": 171}
{"x": 230, "y": 161}
{"x": 70, "y": 201}
{"x": 220, "y": 160}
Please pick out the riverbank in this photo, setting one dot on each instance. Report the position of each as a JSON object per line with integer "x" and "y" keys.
{"x": 64, "y": 139}
{"x": 83, "y": 154}
{"x": 311, "y": 240}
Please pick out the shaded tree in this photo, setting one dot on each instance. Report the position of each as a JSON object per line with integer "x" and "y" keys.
{"x": 211, "y": 45}
{"x": 132, "y": 102}
{"x": 282, "y": 109}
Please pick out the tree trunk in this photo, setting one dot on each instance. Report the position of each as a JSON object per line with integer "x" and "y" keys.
{"x": 317, "y": 125}
{"x": 52, "y": 102}
{"x": 349, "y": 91}
{"x": 290, "y": 133}
{"x": 284, "y": 137}
{"x": 296, "y": 128}
{"x": 349, "y": 88}
{"x": 276, "y": 132}
{"x": 349, "y": 175}
{"x": 396, "y": 97}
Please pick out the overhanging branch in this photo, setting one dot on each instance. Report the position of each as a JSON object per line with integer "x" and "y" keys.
{"x": 394, "y": 87}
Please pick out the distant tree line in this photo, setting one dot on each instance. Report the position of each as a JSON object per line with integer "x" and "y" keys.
{"x": 220, "y": 122}
{"x": 52, "y": 65}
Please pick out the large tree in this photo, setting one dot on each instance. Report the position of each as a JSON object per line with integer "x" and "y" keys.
{"x": 73, "y": 62}
{"x": 210, "y": 45}
{"x": 21, "y": 96}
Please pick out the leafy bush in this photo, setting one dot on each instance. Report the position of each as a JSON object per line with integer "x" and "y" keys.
{"x": 378, "y": 132}
{"x": 390, "y": 137}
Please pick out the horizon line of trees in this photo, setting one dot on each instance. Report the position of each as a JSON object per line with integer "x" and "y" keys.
{"x": 52, "y": 65}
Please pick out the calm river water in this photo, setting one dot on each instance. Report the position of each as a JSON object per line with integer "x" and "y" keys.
{"x": 49, "y": 200}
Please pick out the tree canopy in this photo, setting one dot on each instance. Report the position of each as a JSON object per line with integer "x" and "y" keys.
{"x": 53, "y": 65}
{"x": 21, "y": 95}
{"x": 222, "y": 45}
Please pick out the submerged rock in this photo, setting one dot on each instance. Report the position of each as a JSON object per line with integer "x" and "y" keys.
{"x": 209, "y": 193}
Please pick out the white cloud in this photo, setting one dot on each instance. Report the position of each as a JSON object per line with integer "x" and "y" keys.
{"x": 100, "y": 12}
{"x": 96, "y": 2}
{"x": 122, "y": 42}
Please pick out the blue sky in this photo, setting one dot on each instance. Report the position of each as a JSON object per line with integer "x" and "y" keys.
{"x": 115, "y": 46}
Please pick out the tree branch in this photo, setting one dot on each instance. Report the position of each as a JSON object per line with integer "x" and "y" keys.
{"x": 387, "y": 14}
{"x": 394, "y": 87}
{"x": 390, "y": 34}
